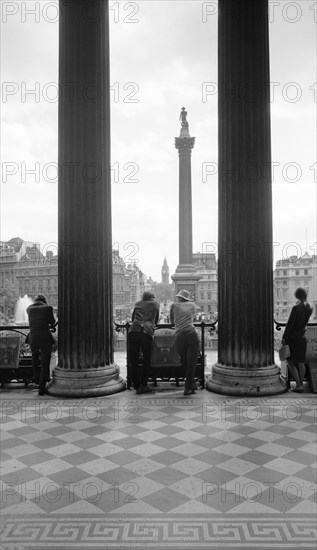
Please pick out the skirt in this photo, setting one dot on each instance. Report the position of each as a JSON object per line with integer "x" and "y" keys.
{"x": 298, "y": 349}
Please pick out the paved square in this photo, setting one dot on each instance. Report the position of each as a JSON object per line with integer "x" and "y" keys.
{"x": 158, "y": 472}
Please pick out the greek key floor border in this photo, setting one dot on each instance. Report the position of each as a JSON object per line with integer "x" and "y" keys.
{"x": 154, "y": 533}
{"x": 161, "y": 399}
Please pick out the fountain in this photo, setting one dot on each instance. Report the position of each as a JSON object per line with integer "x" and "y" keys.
{"x": 20, "y": 315}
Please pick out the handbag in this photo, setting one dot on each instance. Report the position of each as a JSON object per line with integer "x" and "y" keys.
{"x": 53, "y": 341}
{"x": 284, "y": 352}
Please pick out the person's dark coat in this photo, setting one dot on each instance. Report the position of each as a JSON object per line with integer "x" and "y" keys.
{"x": 294, "y": 333}
{"x": 145, "y": 316}
{"x": 41, "y": 319}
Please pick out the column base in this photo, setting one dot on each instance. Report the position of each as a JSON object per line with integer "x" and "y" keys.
{"x": 246, "y": 381}
{"x": 86, "y": 383}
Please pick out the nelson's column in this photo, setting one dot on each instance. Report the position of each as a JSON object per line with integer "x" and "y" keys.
{"x": 186, "y": 276}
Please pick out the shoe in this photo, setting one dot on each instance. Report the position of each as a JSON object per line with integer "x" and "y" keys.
{"x": 188, "y": 392}
{"x": 194, "y": 386}
{"x": 146, "y": 389}
{"x": 42, "y": 389}
{"x": 138, "y": 390}
{"x": 299, "y": 390}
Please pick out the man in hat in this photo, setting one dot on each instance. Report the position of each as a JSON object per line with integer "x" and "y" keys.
{"x": 41, "y": 320}
{"x": 144, "y": 318}
{"x": 182, "y": 315}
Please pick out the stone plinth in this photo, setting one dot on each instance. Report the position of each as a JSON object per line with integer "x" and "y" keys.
{"x": 186, "y": 278}
{"x": 245, "y": 270}
{"x": 246, "y": 381}
{"x": 85, "y": 360}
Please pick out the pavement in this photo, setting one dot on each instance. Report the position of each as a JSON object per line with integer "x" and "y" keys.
{"x": 158, "y": 471}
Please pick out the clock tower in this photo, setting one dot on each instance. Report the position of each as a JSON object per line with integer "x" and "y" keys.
{"x": 165, "y": 273}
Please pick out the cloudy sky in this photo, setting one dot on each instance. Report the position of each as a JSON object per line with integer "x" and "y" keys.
{"x": 163, "y": 57}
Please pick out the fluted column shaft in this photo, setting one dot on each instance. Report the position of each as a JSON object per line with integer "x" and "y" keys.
{"x": 84, "y": 216}
{"x": 245, "y": 206}
{"x": 245, "y": 283}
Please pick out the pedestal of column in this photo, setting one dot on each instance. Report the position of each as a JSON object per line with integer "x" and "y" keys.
{"x": 245, "y": 272}
{"x": 85, "y": 363}
{"x": 186, "y": 278}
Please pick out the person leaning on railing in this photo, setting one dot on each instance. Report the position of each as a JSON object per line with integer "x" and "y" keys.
{"x": 182, "y": 315}
{"x": 41, "y": 320}
{"x": 294, "y": 337}
{"x": 144, "y": 318}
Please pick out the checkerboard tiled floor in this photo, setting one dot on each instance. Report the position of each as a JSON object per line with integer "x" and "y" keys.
{"x": 162, "y": 471}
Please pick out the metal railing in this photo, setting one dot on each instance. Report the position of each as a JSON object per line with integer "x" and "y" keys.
{"x": 23, "y": 330}
{"x": 280, "y": 324}
{"x": 15, "y": 328}
{"x": 204, "y": 327}
{"x": 210, "y": 327}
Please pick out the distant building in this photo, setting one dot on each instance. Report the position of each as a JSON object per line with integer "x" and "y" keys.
{"x": 207, "y": 290}
{"x": 165, "y": 271}
{"x": 136, "y": 283}
{"x": 164, "y": 291}
{"x": 23, "y": 266}
{"x": 38, "y": 274}
{"x": 11, "y": 252}
{"x": 121, "y": 289}
{"x": 290, "y": 274}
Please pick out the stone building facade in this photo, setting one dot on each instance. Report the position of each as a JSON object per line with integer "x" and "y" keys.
{"x": 207, "y": 291}
{"x": 38, "y": 276}
{"x": 290, "y": 274}
{"x": 11, "y": 252}
{"x": 28, "y": 271}
{"x": 128, "y": 287}
{"x": 24, "y": 267}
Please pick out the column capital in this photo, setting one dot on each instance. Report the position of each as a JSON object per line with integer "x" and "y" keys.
{"x": 184, "y": 145}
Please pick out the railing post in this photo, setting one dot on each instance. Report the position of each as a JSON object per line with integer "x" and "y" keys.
{"x": 202, "y": 324}
{"x": 127, "y": 326}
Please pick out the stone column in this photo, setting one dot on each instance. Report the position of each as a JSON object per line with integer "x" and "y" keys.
{"x": 245, "y": 287}
{"x": 85, "y": 364}
{"x": 185, "y": 144}
{"x": 185, "y": 276}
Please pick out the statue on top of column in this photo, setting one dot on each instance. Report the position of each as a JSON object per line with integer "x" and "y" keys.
{"x": 183, "y": 119}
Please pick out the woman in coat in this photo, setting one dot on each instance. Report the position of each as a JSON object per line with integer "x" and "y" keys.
{"x": 294, "y": 336}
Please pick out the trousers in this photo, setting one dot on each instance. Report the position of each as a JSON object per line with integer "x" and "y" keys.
{"x": 139, "y": 341}
{"x": 187, "y": 343}
{"x": 41, "y": 348}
